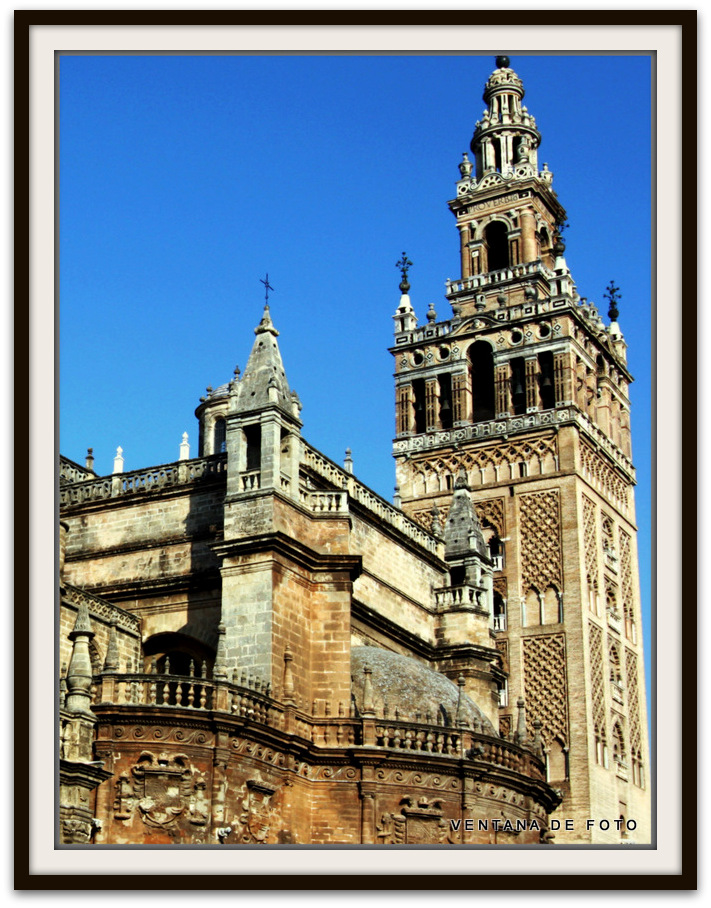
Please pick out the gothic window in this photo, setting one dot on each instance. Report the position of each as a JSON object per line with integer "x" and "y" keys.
{"x": 601, "y": 757}
{"x": 445, "y": 401}
{"x": 545, "y": 380}
{"x": 637, "y": 769}
{"x": 481, "y": 366}
{"x": 220, "y": 437}
{"x": 518, "y": 386}
{"x": 497, "y": 245}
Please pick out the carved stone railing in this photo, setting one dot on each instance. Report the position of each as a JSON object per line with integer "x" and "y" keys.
{"x": 101, "y": 609}
{"x": 492, "y": 278}
{"x": 368, "y": 500}
{"x": 459, "y": 742}
{"x": 423, "y": 738}
{"x": 320, "y": 502}
{"x": 506, "y": 425}
{"x": 456, "y": 596}
{"x": 182, "y": 472}
{"x": 190, "y": 692}
{"x": 250, "y": 481}
{"x": 73, "y": 472}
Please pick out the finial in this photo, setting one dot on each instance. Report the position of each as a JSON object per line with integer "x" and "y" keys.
{"x": 267, "y": 288}
{"x": 461, "y": 481}
{"x": 404, "y": 265}
{"x": 613, "y": 296}
{"x": 348, "y": 462}
{"x": 184, "y": 448}
{"x": 502, "y": 62}
{"x": 431, "y": 314}
{"x": 90, "y": 458}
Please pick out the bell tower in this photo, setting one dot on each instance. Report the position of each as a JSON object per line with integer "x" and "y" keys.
{"x": 523, "y": 395}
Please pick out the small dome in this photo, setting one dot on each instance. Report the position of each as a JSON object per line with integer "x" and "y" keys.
{"x": 406, "y": 685}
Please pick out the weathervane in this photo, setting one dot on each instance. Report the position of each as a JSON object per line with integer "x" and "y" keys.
{"x": 267, "y": 288}
{"x": 613, "y": 295}
{"x": 404, "y": 265}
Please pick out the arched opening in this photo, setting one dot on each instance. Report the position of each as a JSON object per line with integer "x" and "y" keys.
{"x": 557, "y": 761}
{"x": 253, "y": 445}
{"x": 418, "y": 393}
{"x": 551, "y": 606}
{"x": 618, "y": 746}
{"x": 481, "y": 368}
{"x": 445, "y": 400}
{"x": 546, "y": 388}
{"x": 220, "y": 436}
{"x": 518, "y": 386}
{"x": 500, "y": 623}
{"x": 497, "y": 245}
{"x": 531, "y": 609}
{"x": 178, "y": 654}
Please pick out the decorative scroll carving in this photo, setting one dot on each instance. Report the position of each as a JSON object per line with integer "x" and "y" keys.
{"x": 540, "y": 541}
{"x": 546, "y": 685}
{"x": 505, "y": 726}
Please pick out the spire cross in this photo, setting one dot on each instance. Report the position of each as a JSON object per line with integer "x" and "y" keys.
{"x": 613, "y": 296}
{"x": 267, "y": 287}
{"x": 404, "y": 265}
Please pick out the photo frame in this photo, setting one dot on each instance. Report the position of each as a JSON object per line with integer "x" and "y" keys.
{"x": 40, "y": 36}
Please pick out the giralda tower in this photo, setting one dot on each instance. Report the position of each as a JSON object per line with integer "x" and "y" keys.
{"x": 525, "y": 389}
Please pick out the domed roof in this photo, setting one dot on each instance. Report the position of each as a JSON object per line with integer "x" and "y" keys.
{"x": 406, "y": 685}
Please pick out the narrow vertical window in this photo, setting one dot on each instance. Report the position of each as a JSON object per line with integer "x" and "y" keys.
{"x": 220, "y": 437}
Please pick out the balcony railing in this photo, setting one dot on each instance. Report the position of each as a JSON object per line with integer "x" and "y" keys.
{"x": 182, "y": 472}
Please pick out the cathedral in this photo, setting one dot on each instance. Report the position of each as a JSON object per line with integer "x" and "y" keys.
{"x": 256, "y": 648}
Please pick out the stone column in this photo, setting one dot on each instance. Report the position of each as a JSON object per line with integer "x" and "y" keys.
{"x": 502, "y": 377}
{"x": 529, "y": 246}
{"x": 432, "y": 404}
{"x": 465, "y": 253}
{"x": 531, "y": 384}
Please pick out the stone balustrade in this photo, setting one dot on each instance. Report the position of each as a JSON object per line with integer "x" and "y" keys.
{"x": 155, "y": 689}
{"x": 492, "y": 278}
{"x": 73, "y": 472}
{"x": 369, "y": 501}
{"x": 197, "y": 694}
{"x": 456, "y": 596}
{"x": 181, "y": 472}
{"x": 320, "y": 502}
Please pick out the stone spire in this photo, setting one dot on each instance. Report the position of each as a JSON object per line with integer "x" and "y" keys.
{"x": 79, "y": 673}
{"x": 462, "y": 531}
{"x": 264, "y": 381}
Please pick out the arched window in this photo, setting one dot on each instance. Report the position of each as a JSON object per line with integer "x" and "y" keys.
{"x": 556, "y": 761}
{"x": 496, "y": 240}
{"x": 253, "y": 443}
{"x": 551, "y": 606}
{"x": 518, "y": 386}
{"x": 499, "y": 612}
{"x": 545, "y": 380}
{"x": 174, "y": 653}
{"x": 445, "y": 400}
{"x": 418, "y": 391}
{"x": 220, "y": 436}
{"x": 481, "y": 366}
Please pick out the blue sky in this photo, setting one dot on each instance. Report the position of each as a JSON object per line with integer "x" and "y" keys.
{"x": 183, "y": 180}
